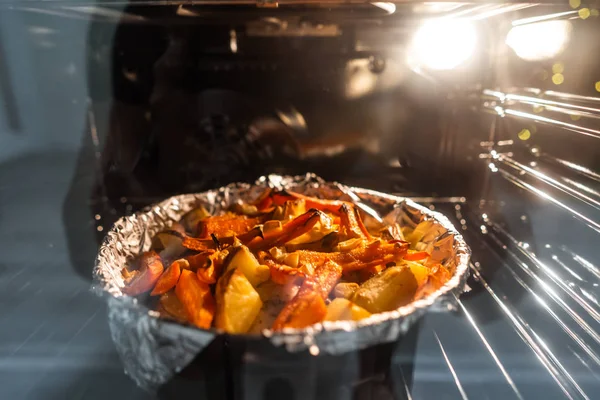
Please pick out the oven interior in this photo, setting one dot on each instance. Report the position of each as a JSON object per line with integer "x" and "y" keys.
{"x": 486, "y": 112}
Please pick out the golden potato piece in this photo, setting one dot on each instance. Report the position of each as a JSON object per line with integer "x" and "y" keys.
{"x": 420, "y": 271}
{"x": 238, "y": 303}
{"x": 345, "y": 290}
{"x": 393, "y": 288}
{"x": 343, "y": 310}
{"x": 243, "y": 259}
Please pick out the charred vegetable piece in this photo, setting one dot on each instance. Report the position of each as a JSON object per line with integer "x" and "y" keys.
{"x": 210, "y": 271}
{"x": 169, "y": 244}
{"x": 349, "y": 223}
{"x": 226, "y": 225}
{"x": 199, "y": 260}
{"x": 151, "y": 268}
{"x": 439, "y": 275}
{"x": 365, "y": 256}
{"x": 282, "y": 274}
{"x": 238, "y": 303}
{"x": 345, "y": 289}
{"x": 341, "y": 309}
{"x": 173, "y": 307}
{"x": 393, "y": 288}
{"x": 191, "y": 219}
{"x": 332, "y": 206}
{"x": 294, "y": 314}
{"x": 289, "y": 231}
{"x": 325, "y": 244}
{"x": 307, "y": 310}
{"x": 196, "y": 299}
{"x": 241, "y": 258}
{"x": 169, "y": 278}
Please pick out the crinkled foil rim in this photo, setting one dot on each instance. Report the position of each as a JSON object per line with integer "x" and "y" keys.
{"x": 154, "y": 349}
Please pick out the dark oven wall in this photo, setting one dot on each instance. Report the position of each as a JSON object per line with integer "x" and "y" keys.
{"x": 196, "y": 104}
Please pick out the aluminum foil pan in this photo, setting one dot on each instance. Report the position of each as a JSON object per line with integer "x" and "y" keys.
{"x": 153, "y": 350}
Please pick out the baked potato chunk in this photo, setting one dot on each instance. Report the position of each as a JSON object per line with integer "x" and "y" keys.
{"x": 343, "y": 310}
{"x": 238, "y": 303}
{"x": 393, "y": 288}
{"x": 242, "y": 258}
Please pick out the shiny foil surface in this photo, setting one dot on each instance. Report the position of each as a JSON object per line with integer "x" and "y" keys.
{"x": 153, "y": 349}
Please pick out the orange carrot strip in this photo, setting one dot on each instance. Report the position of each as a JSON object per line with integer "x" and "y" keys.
{"x": 333, "y": 206}
{"x": 304, "y": 309}
{"x": 169, "y": 278}
{"x": 370, "y": 255}
{"x": 304, "y": 312}
{"x": 151, "y": 268}
{"x": 296, "y": 227}
{"x": 196, "y": 299}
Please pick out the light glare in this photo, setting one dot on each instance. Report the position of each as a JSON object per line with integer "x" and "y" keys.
{"x": 539, "y": 41}
{"x": 443, "y": 44}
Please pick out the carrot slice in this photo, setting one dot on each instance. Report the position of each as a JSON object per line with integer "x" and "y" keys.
{"x": 306, "y": 308}
{"x": 304, "y": 312}
{"x": 196, "y": 298}
{"x": 365, "y": 256}
{"x": 169, "y": 278}
{"x": 296, "y": 227}
{"x": 151, "y": 268}
{"x": 333, "y": 206}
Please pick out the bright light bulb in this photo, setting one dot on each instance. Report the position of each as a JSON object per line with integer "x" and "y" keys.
{"x": 539, "y": 41}
{"x": 442, "y": 44}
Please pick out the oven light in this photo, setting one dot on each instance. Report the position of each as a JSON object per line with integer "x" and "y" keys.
{"x": 539, "y": 41}
{"x": 442, "y": 44}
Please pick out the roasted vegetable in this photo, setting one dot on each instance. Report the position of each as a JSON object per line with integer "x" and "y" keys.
{"x": 364, "y": 256}
{"x": 196, "y": 299}
{"x": 226, "y": 225}
{"x": 169, "y": 278}
{"x": 151, "y": 268}
{"x": 240, "y": 257}
{"x": 345, "y": 289}
{"x": 192, "y": 218}
{"x": 342, "y": 309}
{"x": 310, "y": 299}
{"x": 173, "y": 307}
{"x": 275, "y": 264}
{"x": 169, "y": 244}
{"x": 393, "y": 288}
{"x": 289, "y": 231}
{"x": 238, "y": 303}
